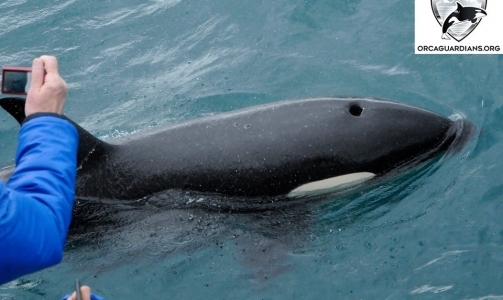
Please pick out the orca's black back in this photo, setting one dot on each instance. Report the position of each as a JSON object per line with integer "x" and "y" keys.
{"x": 268, "y": 151}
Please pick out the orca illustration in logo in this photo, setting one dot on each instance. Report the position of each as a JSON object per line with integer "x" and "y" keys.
{"x": 462, "y": 14}
{"x": 458, "y": 19}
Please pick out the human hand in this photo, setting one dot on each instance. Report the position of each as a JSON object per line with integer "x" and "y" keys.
{"x": 47, "y": 90}
{"x": 85, "y": 292}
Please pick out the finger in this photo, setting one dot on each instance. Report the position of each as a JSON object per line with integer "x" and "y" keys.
{"x": 50, "y": 64}
{"x": 37, "y": 73}
{"x": 86, "y": 292}
{"x": 72, "y": 297}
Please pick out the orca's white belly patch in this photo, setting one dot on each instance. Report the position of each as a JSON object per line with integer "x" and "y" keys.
{"x": 331, "y": 185}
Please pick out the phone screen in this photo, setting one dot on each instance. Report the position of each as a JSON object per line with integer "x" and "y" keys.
{"x": 15, "y": 81}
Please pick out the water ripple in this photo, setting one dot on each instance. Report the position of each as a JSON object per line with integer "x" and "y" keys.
{"x": 383, "y": 69}
{"x": 13, "y": 19}
{"x": 157, "y": 6}
{"x": 109, "y": 19}
{"x": 11, "y": 3}
{"x": 183, "y": 43}
{"x": 136, "y": 11}
{"x": 489, "y": 297}
{"x": 444, "y": 255}
{"x": 432, "y": 289}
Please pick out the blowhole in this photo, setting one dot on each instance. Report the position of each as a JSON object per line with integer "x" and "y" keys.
{"x": 356, "y": 110}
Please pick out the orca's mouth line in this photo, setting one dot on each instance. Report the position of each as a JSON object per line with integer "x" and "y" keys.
{"x": 459, "y": 134}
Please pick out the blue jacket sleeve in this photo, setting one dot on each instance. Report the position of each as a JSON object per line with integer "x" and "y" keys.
{"x": 36, "y": 203}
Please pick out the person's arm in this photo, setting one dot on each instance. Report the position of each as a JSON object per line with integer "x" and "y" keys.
{"x": 36, "y": 203}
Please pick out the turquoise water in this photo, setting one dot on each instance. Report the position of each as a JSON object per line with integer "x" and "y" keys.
{"x": 130, "y": 65}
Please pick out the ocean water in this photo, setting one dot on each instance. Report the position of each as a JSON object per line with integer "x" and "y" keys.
{"x": 435, "y": 232}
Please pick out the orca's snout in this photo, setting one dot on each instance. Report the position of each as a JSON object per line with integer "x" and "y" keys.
{"x": 390, "y": 134}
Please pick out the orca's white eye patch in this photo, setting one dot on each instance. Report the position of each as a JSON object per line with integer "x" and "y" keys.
{"x": 331, "y": 185}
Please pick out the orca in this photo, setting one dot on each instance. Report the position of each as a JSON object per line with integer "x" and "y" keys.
{"x": 462, "y": 14}
{"x": 290, "y": 149}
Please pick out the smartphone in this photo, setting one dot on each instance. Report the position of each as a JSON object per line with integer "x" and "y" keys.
{"x": 16, "y": 80}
